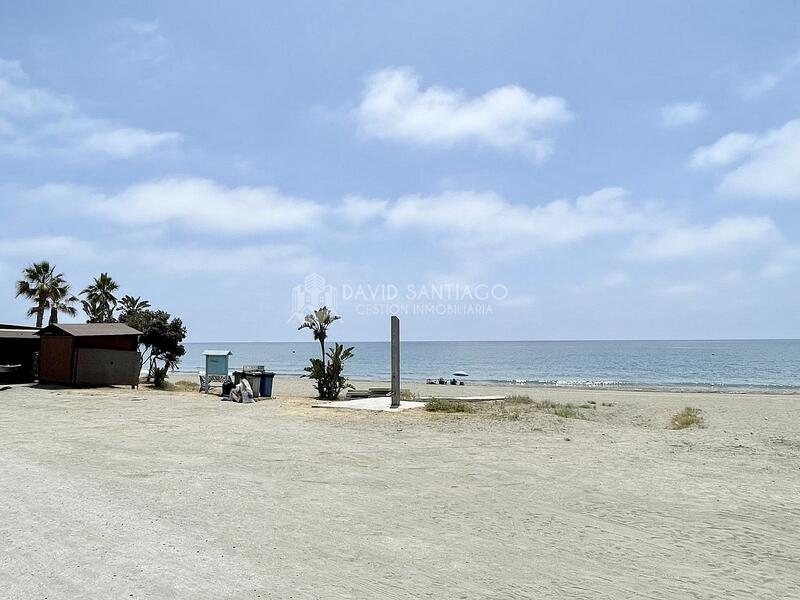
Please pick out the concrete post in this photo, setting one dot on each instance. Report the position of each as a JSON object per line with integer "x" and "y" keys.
{"x": 395, "y": 362}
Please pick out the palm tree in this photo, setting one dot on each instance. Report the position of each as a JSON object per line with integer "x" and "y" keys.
{"x": 96, "y": 312}
{"x": 318, "y": 322}
{"x": 130, "y": 306}
{"x": 35, "y": 285}
{"x": 60, "y": 299}
{"x": 100, "y": 299}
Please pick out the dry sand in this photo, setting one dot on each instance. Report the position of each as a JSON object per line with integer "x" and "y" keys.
{"x": 115, "y": 493}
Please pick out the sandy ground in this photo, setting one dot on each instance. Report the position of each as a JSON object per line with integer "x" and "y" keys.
{"x": 115, "y": 493}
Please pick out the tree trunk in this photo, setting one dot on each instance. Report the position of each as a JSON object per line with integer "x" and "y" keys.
{"x": 322, "y": 349}
{"x": 40, "y": 313}
{"x": 53, "y": 315}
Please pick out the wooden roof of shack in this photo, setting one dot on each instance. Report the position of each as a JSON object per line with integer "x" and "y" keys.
{"x": 89, "y": 329}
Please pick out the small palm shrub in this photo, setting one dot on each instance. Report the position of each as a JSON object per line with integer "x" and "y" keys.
{"x": 160, "y": 377}
{"x": 328, "y": 375}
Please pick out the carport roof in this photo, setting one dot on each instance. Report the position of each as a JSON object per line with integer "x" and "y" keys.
{"x": 17, "y": 333}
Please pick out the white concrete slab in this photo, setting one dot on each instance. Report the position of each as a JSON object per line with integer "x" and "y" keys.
{"x": 465, "y": 398}
{"x": 381, "y": 404}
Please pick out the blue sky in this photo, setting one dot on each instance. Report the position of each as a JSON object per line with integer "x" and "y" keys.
{"x": 620, "y": 169}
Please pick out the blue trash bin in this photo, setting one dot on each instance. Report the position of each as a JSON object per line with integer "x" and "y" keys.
{"x": 266, "y": 384}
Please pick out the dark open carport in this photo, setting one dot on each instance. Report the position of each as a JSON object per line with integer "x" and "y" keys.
{"x": 18, "y": 347}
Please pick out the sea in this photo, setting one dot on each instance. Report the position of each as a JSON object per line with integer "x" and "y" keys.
{"x": 693, "y": 365}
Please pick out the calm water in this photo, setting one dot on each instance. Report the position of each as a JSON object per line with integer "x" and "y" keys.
{"x": 739, "y": 365}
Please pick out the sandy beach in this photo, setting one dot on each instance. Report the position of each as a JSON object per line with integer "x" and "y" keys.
{"x": 116, "y": 493}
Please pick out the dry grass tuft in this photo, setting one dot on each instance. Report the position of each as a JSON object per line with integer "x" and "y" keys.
{"x": 447, "y": 405}
{"x": 514, "y": 406}
{"x": 409, "y": 396}
{"x": 688, "y": 417}
{"x": 565, "y": 411}
{"x": 179, "y": 386}
{"x": 518, "y": 399}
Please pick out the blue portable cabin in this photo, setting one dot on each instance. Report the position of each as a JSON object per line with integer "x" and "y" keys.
{"x": 216, "y": 366}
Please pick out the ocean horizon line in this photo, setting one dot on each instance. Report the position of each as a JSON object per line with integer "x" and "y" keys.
{"x": 732, "y": 339}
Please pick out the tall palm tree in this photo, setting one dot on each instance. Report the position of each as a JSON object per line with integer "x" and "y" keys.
{"x": 318, "y": 322}
{"x": 35, "y": 285}
{"x": 130, "y": 306}
{"x": 60, "y": 299}
{"x": 100, "y": 299}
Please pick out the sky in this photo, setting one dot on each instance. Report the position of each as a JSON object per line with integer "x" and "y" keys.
{"x": 523, "y": 170}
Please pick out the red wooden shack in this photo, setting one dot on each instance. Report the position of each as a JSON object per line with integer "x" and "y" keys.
{"x": 89, "y": 354}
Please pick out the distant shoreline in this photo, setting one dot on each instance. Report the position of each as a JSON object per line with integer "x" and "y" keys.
{"x": 512, "y": 387}
{"x": 737, "y": 367}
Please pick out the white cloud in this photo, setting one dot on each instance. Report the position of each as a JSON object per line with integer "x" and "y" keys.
{"x": 485, "y": 218}
{"x": 358, "y": 210}
{"x": 138, "y": 27}
{"x": 683, "y": 289}
{"x": 497, "y": 227}
{"x": 395, "y": 108}
{"x": 767, "y": 163}
{"x": 461, "y": 218}
{"x": 44, "y": 246}
{"x": 201, "y": 204}
{"x": 732, "y": 276}
{"x": 726, "y": 150}
{"x": 51, "y": 195}
{"x": 682, "y": 113}
{"x": 768, "y": 81}
{"x": 139, "y": 41}
{"x": 517, "y": 301}
{"x": 37, "y": 123}
{"x": 6, "y": 128}
{"x": 785, "y": 261}
{"x": 183, "y": 203}
{"x": 615, "y": 279}
{"x": 773, "y": 168}
{"x": 125, "y": 142}
{"x": 26, "y": 101}
{"x": 284, "y": 258}
{"x": 731, "y": 234}
{"x": 11, "y": 69}
{"x": 483, "y": 227}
